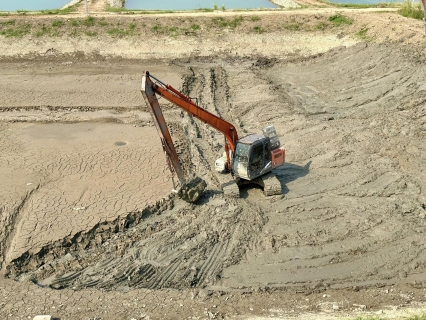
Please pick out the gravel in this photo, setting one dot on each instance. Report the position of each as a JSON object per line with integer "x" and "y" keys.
{"x": 116, "y": 3}
{"x": 286, "y": 3}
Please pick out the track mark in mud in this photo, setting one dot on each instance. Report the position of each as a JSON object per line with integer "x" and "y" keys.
{"x": 355, "y": 215}
{"x": 179, "y": 247}
{"x": 12, "y": 226}
{"x": 82, "y": 240}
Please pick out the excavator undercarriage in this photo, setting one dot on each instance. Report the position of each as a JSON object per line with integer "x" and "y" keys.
{"x": 268, "y": 182}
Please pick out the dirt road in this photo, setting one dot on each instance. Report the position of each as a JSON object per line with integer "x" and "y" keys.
{"x": 89, "y": 229}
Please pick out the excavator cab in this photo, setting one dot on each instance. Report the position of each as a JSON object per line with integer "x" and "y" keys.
{"x": 252, "y": 157}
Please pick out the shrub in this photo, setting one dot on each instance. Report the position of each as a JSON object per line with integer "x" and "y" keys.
{"x": 410, "y": 9}
{"x": 258, "y": 29}
{"x": 339, "y": 19}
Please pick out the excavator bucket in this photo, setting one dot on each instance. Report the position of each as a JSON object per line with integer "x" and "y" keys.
{"x": 192, "y": 190}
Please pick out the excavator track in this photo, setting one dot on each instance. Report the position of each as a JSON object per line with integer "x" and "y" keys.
{"x": 228, "y": 185}
{"x": 270, "y": 184}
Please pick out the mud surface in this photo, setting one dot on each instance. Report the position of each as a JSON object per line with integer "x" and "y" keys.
{"x": 85, "y": 203}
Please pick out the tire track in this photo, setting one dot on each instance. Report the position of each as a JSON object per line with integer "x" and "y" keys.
{"x": 174, "y": 255}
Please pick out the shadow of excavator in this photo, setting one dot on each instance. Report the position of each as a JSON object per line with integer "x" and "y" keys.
{"x": 285, "y": 174}
{"x": 290, "y": 172}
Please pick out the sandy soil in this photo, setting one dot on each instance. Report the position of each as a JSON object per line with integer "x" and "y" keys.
{"x": 90, "y": 230}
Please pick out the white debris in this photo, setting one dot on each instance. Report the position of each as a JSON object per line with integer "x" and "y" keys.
{"x": 115, "y": 3}
{"x": 286, "y": 3}
{"x": 45, "y": 317}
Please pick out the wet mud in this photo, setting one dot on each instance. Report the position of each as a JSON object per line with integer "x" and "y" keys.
{"x": 353, "y": 208}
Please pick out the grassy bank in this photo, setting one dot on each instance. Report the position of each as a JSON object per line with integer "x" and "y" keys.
{"x": 169, "y": 26}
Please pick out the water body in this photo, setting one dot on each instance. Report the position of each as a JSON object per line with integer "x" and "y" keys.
{"x": 14, "y": 5}
{"x": 196, "y": 4}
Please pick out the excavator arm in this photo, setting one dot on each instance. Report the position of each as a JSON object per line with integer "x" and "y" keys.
{"x": 184, "y": 102}
{"x": 148, "y": 93}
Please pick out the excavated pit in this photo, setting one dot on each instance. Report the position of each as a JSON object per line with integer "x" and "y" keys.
{"x": 353, "y": 208}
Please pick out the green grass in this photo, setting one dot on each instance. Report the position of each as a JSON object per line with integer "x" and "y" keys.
{"x": 122, "y": 32}
{"x": 74, "y": 33}
{"x": 410, "y": 9}
{"x": 8, "y": 23}
{"x": 321, "y": 26}
{"x": 65, "y": 11}
{"x": 22, "y": 12}
{"x": 88, "y": 22}
{"x": 91, "y": 34}
{"x": 195, "y": 27}
{"x": 362, "y": 34}
{"x": 57, "y": 23}
{"x": 223, "y": 22}
{"x": 118, "y": 32}
{"x": 254, "y": 18}
{"x": 158, "y": 28}
{"x": 258, "y": 29}
{"x": 156, "y": 12}
{"x": 165, "y": 30}
{"x": 58, "y": 11}
{"x": 292, "y": 27}
{"x": 339, "y": 20}
{"x": 15, "y": 31}
{"x": 205, "y": 10}
{"x": 46, "y": 31}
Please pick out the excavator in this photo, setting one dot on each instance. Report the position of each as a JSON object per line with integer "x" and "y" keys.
{"x": 249, "y": 159}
